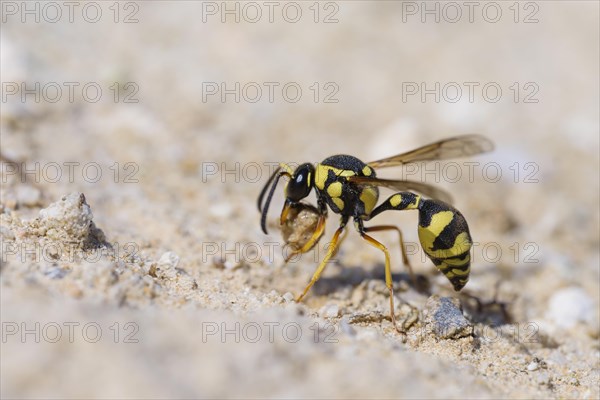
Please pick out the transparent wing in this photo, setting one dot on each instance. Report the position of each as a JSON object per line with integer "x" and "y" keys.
{"x": 459, "y": 146}
{"x": 422, "y": 188}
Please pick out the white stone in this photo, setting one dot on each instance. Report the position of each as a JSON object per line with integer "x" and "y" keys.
{"x": 71, "y": 216}
{"x": 330, "y": 311}
{"x": 288, "y": 297}
{"x": 569, "y": 306}
{"x": 221, "y": 210}
{"x": 533, "y": 366}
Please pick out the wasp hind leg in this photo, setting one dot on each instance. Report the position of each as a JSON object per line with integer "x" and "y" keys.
{"x": 398, "y": 201}
{"x": 405, "y": 260}
{"x": 388, "y": 271}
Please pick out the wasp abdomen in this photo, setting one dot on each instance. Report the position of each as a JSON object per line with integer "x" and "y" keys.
{"x": 444, "y": 235}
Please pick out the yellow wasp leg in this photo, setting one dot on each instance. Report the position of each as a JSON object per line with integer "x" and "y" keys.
{"x": 340, "y": 243}
{"x": 330, "y": 252}
{"x": 313, "y": 239}
{"x": 286, "y": 168}
{"x": 402, "y": 247}
{"x": 388, "y": 275}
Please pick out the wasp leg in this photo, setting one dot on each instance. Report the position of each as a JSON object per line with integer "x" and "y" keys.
{"x": 388, "y": 276}
{"x": 388, "y": 271}
{"x": 340, "y": 243}
{"x": 286, "y": 168}
{"x": 313, "y": 239}
{"x": 316, "y": 236}
{"x": 402, "y": 247}
{"x": 331, "y": 250}
{"x": 398, "y": 201}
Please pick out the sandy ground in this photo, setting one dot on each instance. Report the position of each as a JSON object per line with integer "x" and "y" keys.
{"x": 133, "y": 264}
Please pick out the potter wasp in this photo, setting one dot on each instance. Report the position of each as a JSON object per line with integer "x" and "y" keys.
{"x": 350, "y": 188}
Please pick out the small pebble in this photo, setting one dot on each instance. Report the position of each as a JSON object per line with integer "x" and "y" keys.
{"x": 445, "y": 318}
{"x": 67, "y": 220}
{"x": 569, "y": 306}
{"x": 330, "y": 311}
{"x": 288, "y": 297}
{"x": 533, "y": 366}
{"x": 221, "y": 210}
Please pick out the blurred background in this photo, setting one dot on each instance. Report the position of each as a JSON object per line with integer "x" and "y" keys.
{"x": 169, "y": 117}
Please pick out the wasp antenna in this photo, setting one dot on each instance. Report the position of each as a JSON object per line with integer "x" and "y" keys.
{"x": 264, "y": 189}
{"x": 263, "y": 217}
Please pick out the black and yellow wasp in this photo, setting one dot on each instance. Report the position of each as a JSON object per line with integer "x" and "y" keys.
{"x": 350, "y": 188}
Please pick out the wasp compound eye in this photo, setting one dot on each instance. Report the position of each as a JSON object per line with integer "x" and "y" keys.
{"x": 301, "y": 183}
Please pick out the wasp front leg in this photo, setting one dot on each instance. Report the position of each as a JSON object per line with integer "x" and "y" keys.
{"x": 331, "y": 251}
{"x": 316, "y": 235}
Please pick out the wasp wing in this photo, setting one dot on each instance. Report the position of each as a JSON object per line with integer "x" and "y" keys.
{"x": 459, "y": 146}
{"x": 400, "y": 185}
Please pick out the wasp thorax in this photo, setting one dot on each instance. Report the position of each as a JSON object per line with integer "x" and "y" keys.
{"x": 301, "y": 182}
